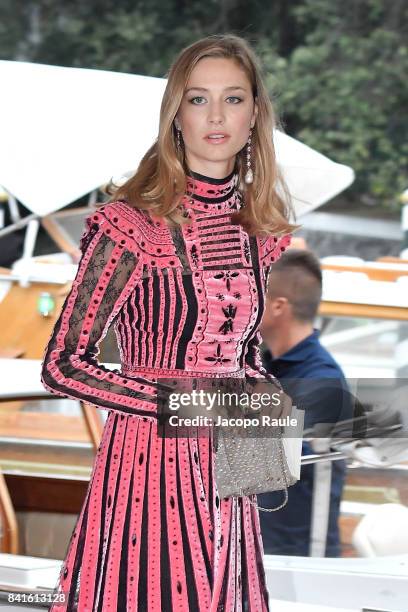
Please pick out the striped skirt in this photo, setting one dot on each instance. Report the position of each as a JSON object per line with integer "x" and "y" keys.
{"x": 153, "y": 535}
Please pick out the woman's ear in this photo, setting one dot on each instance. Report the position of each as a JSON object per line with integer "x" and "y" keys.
{"x": 255, "y": 113}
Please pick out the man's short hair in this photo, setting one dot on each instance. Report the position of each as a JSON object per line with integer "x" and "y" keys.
{"x": 297, "y": 275}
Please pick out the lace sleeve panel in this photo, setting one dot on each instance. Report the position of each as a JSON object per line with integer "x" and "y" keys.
{"x": 108, "y": 270}
{"x": 271, "y": 250}
{"x": 253, "y": 362}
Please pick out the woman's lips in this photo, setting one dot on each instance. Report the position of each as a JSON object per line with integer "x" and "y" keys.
{"x": 216, "y": 140}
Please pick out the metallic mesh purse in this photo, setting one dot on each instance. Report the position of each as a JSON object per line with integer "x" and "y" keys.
{"x": 251, "y": 460}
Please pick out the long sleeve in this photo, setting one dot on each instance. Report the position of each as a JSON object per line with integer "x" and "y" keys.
{"x": 109, "y": 268}
{"x": 271, "y": 250}
{"x": 253, "y": 362}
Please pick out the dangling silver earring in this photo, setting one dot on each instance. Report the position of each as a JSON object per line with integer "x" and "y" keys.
{"x": 178, "y": 139}
{"x": 249, "y": 176}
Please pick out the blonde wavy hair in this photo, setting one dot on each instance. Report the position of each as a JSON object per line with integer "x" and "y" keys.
{"x": 159, "y": 182}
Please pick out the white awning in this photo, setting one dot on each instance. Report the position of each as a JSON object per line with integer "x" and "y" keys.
{"x": 66, "y": 131}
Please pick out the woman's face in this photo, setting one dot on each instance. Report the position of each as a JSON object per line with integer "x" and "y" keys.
{"x": 217, "y": 99}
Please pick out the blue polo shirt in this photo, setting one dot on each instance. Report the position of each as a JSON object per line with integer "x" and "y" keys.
{"x": 315, "y": 382}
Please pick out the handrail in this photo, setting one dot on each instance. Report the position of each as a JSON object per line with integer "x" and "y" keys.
{"x": 9, "y": 536}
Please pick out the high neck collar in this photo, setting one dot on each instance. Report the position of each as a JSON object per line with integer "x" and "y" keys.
{"x": 205, "y": 192}
{"x": 202, "y": 178}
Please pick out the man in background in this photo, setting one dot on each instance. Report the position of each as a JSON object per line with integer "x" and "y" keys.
{"x": 292, "y": 352}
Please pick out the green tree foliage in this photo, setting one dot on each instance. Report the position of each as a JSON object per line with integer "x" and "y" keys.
{"x": 334, "y": 69}
{"x": 344, "y": 90}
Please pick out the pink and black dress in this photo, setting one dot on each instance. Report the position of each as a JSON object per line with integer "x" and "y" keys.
{"x": 152, "y": 534}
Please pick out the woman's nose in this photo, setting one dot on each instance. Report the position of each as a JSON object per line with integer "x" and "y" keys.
{"x": 216, "y": 114}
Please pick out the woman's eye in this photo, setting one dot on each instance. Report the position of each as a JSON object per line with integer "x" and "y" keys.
{"x": 196, "y": 98}
{"x": 236, "y": 98}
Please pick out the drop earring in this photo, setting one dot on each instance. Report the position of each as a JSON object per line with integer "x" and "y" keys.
{"x": 178, "y": 139}
{"x": 249, "y": 176}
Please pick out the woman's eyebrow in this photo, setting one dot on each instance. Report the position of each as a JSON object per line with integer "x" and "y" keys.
{"x": 204, "y": 89}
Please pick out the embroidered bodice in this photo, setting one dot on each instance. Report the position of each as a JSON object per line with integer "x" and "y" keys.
{"x": 183, "y": 300}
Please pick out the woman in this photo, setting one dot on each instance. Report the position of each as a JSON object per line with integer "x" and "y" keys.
{"x": 178, "y": 259}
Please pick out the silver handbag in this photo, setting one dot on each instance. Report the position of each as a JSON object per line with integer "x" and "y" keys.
{"x": 250, "y": 460}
